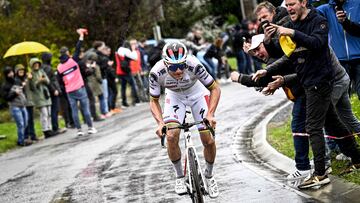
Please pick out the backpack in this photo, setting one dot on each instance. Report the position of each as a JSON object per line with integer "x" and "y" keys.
{"x": 125, "y": 65}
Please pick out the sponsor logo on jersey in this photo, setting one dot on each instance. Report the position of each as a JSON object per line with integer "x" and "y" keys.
{"x": 153, "y": 78}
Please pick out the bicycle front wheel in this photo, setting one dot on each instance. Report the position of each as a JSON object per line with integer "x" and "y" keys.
{"x": 197, "y": 194}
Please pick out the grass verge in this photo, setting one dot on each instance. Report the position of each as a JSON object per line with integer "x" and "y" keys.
{"x": 280, "y": 137}
{"x": 9, "y": 130}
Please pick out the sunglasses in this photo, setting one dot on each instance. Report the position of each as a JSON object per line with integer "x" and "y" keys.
{"x": 174, "y": 67}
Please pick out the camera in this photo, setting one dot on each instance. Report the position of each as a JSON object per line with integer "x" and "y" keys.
{"x": 339, "y": 4}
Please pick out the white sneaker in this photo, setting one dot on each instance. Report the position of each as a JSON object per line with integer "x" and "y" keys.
{"x": 298, "y": 175}
{"x": 92, "y": 130}
{"x": 342, "y": 157}
{"x": 328, "y": 168}
{"x": 180, "y": 187}
{"x": 212, "y": 187}
{"x": 80, "y": 133}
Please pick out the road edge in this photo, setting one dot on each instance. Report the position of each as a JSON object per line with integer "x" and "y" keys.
{"x": 256, "y": 129}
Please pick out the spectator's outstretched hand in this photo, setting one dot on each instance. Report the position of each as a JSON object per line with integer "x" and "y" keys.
{"x": 267, "y": 91}
{"x": 278, "y": 82}
{"x": 234, "y": 76}
{"x": 259, "y": 74}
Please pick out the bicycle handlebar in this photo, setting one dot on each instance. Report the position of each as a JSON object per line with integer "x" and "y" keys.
{"x": 186, "y": 126}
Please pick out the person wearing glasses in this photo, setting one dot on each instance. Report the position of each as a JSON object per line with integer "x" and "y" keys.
{"x": 187, "y": 84}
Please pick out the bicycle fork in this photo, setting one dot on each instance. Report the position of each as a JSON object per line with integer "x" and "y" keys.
{"x": 189, "y": 144}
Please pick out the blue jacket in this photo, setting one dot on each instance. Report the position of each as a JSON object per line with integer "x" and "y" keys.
{"x": 346, "y": 46}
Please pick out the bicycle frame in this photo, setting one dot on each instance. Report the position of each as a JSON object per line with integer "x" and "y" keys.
{"x": 190, "y": 148}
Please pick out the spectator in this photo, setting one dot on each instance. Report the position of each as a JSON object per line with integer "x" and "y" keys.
{"x": 353, "y": 28}
{"x": 91, "y": 74}
{"x": 135, "y": 66}
{"x": 14, "y": 95}
{"x": 242, "y": 58}
{"x": 103, "y": 62}
{"x": 55, "y": 92}
{"x": 317, "y": 80}
{"x": 144, "y": 63}
{"x": 41, "y": 96}
{"x": 70, "y": 74}
{"x": 345, "y": 45}
{"x": 215, "y": 51}
{"x": 28, "y": 88}
{"x": 155, "y": 53}
{"x": 123, "y": 58}
{"x": 267, "y": 13}
{"x": 111, "y": 77}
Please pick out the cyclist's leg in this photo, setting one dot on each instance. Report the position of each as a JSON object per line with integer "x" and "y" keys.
{"x": 199, "y": 110}
{"x": 174, "y": 113}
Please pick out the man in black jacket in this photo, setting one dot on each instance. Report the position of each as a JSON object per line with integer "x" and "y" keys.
{"x": 310, "y": 30}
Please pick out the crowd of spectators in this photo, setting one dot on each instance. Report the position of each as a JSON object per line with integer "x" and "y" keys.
{"x": 311, "y": 53}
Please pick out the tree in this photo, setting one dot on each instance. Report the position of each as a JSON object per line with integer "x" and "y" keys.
{"x": 180, "y": 16}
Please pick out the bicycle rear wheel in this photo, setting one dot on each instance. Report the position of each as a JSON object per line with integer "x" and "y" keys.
{"x": 197, "y": 195}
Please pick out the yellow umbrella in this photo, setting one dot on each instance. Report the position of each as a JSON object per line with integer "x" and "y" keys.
{"x": 26, "y": 48}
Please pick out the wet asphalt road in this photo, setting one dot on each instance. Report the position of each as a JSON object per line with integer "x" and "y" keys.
{"x": 125, "y": 163}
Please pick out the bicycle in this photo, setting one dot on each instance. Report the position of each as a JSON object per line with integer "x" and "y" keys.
{"x": 195, "y": 179}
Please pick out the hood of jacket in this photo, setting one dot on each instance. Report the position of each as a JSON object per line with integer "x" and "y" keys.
{"x": 33, "y": 61}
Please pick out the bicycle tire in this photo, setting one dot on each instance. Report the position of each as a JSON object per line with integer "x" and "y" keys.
{"x": 197, "y": 196}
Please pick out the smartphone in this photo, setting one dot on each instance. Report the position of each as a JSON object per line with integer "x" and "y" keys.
{"x": 265, "y": 23}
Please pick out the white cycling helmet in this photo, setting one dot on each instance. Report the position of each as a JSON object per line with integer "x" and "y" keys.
{"x": 174, "y": 52}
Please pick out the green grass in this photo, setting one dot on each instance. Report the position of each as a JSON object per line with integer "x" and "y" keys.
{"x": 8, "y": 128}
{"x": 280, "y": 138}
{"x": 232, "y": 63}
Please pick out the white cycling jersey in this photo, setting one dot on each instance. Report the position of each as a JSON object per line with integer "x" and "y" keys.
{"x": 193, "y": 73}
{"x": 189, "y": 91}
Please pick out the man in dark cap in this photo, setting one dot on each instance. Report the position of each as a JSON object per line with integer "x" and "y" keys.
{"x": 69, "y": 72}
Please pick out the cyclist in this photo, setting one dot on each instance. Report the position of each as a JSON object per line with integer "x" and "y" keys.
{"x": 186, "y": 83}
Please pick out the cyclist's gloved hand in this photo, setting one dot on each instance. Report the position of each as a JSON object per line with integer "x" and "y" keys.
{"x": 211, "y": 120}
{"x": 159, "y": 129}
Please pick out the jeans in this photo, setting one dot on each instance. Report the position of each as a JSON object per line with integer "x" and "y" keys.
{"x": 54, "y": 112}
{"x": 20, "y": 116}
{"x": 341, "y": 100}
{"x": 124, "y": 80}
{"x": 300, "y": 137}
{"x": 320, "y": 112}
{"x": 74, "y": 97}
{"x": 212, "y": 67}
{"x": 104, "y": 108}
{"x": 30, "y": 129}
